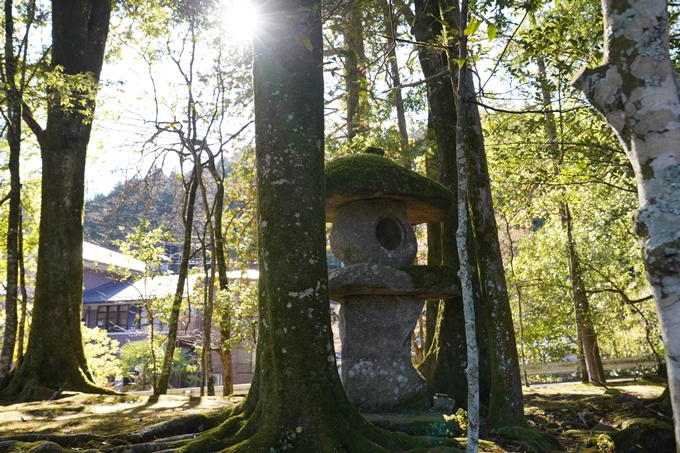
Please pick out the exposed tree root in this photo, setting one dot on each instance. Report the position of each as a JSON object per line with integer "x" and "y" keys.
{"x": 238, "y": 433}
{"x": 170, "y": 433}
{"x": 33, "y": 391}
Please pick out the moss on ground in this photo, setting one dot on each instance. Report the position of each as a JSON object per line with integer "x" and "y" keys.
{"x": 553, "y": 413}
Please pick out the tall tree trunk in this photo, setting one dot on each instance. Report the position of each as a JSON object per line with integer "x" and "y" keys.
{"x": 636, "y": 90}
{"x": 161, "y": 387}
{"x": 55, "y": 358}
{"x": 13, "y": 120}
{"x": 220, "y": 257}
{"x": 589, "y": 351}
{"x": 472, "y": 368}
{"x": 506, "y": 406}
{"x": 296, "y": 389}
{"x": 355, "y": 71}
{"x": 209, "y": 292}
{"x": 393, "y": 69}
{"x": 443, "y": 365}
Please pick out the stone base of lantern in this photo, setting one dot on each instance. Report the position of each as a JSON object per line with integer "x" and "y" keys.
{"x": 377, "y": 372}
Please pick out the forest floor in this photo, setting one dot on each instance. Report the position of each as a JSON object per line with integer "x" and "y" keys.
{"x": 577, "y": 416}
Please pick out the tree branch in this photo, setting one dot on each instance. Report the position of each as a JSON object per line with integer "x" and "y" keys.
{"x": 444, "y": 73}
{"x": 522, "y": 112}
{"x": 27, "y": 116}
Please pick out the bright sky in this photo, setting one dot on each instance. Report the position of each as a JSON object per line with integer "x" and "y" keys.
{"x": 126, "y": 108}
{"x": 126, "y": 105}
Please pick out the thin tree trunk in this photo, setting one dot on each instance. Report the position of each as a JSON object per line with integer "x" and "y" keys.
{"x": 443, "y": 365}
{"x": 227, "y": 367}
{"x": 355, "y": 71}
{"x": 24, "y": 299}
{"x": 13, "y": 121}
{"x": 584, "y": 326}
{"x": 209, "y": 292}
{"x": 393, "y": 70}
{"x": 472, "y": 369}
{"x": 582, "y": 307}
{"x": 434, "y": 243}
{"x": 636, "y": 90}
{"x": 506, "y": 406}
{"x": 220, "y": 257}
{"x": 189, "y": 205}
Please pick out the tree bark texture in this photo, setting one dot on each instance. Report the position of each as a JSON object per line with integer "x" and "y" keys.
{"x": 445, "y": 362}
{"x": 506, "y": 407}
{"x": 296, "y": 395}
{"x": 636, "y": 90}
{"x": 13, "y": 119}
{"x": 55, "y": 357}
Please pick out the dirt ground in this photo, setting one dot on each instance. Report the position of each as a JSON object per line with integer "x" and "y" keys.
{"x": 582, "y": 418}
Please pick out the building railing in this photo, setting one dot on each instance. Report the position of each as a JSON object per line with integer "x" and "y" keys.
{"x": 624, "y": 363}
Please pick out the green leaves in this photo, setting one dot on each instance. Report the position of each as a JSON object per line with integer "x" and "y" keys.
{"x": 305, "y": 41}
{"x": 472, "y": 27}
{"x": 491, "y": 32}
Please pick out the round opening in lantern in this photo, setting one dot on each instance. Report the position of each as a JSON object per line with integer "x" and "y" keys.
{"x": 389, "y": 233}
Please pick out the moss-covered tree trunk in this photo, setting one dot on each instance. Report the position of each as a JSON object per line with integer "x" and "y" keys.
{"x": 296, "y": 396}
{"x": 444, "y": 364}
{"x": 506, "y": 407}
{"x": 55, "y": 357}
{"x": 636, "y": 90}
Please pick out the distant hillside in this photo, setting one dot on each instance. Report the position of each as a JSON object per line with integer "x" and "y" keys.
{"x": 157, "y": 197}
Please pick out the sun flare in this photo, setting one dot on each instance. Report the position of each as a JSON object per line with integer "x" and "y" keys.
{"x": 240, "y": 19}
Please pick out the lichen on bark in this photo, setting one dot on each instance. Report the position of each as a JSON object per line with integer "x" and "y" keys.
{"x": 296, "y": 387}
{"x": 636, "y": 90}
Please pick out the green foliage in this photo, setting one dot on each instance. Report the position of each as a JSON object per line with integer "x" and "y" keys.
{"x": 568, "y": 156}
{"x": 72, "y": 92}
{"x": 239, "y": 300}
{"x": 139, "y": 365}
{"x": 287, "y": 440}
{"x": 605, "y": 444}
{"x": 146, "y": 245}
{"x": 439, "y": 430}
{"x": 100, "y": 354}
{"x": 462, "y": 419}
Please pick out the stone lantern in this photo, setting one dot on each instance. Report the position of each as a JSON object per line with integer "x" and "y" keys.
{"x": 373, "y": 203}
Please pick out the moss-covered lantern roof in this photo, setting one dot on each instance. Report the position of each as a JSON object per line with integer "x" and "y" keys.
{"x": 366, "y": 176}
